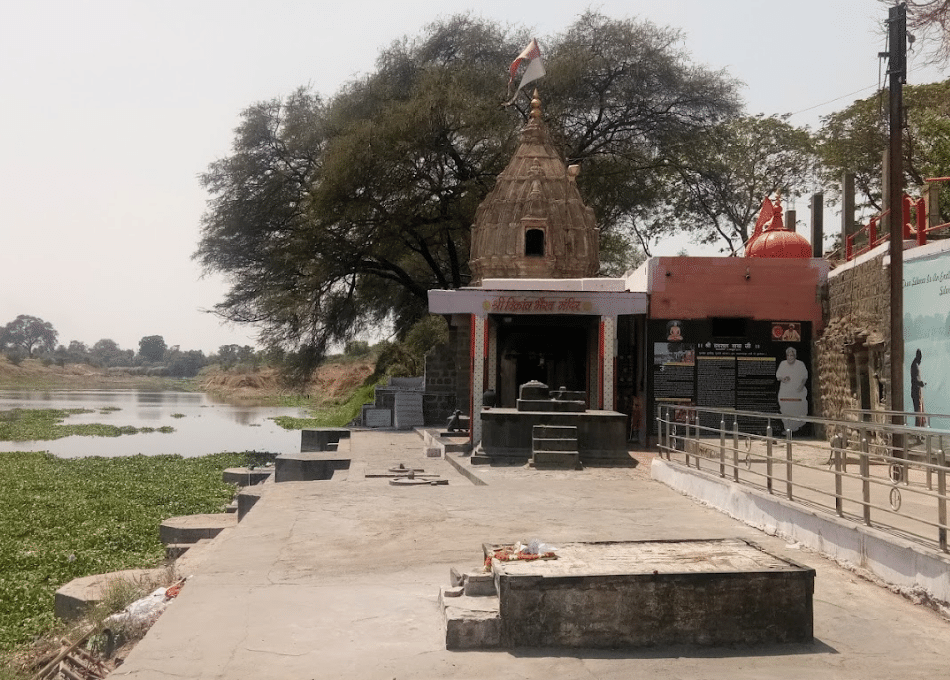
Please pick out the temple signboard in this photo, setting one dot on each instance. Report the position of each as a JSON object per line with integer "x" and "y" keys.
{"x": 484, "y": 302}
{"x": 537, "y": 305}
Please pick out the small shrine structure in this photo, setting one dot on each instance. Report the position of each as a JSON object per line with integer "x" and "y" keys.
{"x": 535, "y": 309}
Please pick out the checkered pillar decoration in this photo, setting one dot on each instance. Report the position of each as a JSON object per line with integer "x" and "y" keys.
{"x": 608, "y": 350}
{"x": 479, "y": 331}
{"x": 492, "y": 357}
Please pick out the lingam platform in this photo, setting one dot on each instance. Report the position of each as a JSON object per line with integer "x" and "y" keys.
{"x": 508, "y": 433}
{"x": 633, "y": 594}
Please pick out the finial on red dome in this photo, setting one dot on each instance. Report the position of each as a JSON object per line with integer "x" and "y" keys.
{"x": 775, "y": 240}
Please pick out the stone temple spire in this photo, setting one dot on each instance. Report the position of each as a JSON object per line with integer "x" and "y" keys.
{"x": 534, "y": 224}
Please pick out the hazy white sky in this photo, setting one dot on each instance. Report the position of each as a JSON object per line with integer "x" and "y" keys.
{"x": 112, "y": 108}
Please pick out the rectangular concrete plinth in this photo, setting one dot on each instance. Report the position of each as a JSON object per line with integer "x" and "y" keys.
{"x": 601, "y": 435}
{"x": 642, "y": 593}
{"x": 307, "y": 467}
{"x": 320, "y": 439}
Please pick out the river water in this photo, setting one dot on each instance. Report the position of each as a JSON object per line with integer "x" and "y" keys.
{"x": 202, "y": 425}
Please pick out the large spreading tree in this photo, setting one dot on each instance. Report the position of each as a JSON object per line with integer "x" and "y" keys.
{"x": 330, "y": 214}
{"x": 28, "y": 333}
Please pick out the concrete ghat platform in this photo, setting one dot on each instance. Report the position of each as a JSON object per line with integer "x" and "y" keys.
{"x": 341, "y": 579}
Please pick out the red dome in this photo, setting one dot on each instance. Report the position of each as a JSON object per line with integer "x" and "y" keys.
{"x": 779, "y": 243}
{"x": 776, "y": 240}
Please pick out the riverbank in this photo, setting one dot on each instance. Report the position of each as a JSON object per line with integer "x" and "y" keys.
{"x": 332, "y": 383}
{"x": 32, "y": 374}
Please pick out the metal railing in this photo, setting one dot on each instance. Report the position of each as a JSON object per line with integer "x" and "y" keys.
{"x": 868, "y": 471}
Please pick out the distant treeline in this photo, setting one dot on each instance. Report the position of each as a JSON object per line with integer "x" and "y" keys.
{"x": 29, "y": 337}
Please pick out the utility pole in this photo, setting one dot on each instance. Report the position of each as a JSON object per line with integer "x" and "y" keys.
{"x": 897, "y": 72}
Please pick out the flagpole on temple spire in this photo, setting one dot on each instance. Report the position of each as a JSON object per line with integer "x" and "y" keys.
{"x": 534, "y": 70}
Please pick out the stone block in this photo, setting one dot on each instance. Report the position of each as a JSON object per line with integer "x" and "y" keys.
{"x": 377, "y": 417}
{"x": 407, "y": 410}
{"x": 470, "y": 622}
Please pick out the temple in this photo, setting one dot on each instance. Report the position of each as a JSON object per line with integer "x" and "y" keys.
{"x": 704, "y": 331}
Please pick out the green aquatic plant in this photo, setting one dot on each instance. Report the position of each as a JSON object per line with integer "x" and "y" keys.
{"x": 70, "y": 517}
{"x": 21, "y": 425}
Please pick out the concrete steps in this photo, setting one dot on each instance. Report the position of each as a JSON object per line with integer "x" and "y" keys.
{"x": 555, "y": 447}
{"x": 470, "y": 610}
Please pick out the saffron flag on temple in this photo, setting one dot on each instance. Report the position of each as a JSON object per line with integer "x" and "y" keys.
{"x": 535, "y": 69}
{"x": 765, "y": 216}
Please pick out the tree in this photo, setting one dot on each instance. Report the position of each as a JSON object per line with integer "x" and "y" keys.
{"x": 152, "y": 349}
{"x": 28, "y": 333}
{"x": 106, "y": 352}
{"x": 228, "y": 355}
{"x": 332, "y": 215}
{"x": 356, "y": 348}
{"x": 854, "y": 140}
{"x": 717, "y": 187}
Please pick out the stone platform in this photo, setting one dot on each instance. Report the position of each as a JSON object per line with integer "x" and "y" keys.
{"x": 507, "y": 434}
{"x": 638, "y": 594}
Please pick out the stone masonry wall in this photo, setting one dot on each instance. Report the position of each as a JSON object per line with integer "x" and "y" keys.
{"x": 441, "y": 381}
{"x": 858, "y": 313}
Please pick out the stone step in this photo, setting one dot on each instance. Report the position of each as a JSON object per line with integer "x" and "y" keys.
{"x": 470, "y": 622}
{"x": 554, "y": 432}
{"x": 193, "y": 528}
{"x": 557, "y": 460}
{"x": 474, "y": 582}
{"x": 554, "y": 444}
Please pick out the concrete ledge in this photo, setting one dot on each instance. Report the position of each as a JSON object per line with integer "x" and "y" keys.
{"x": 320, "y": 439}
{"x": 461, "y": 464}
{"x": 246, "y": 476}
{"x": 193, "y": 528}
{"x": 308, "y": 467}
{"x": 901, "y": 564}
{"x": 246, "y": 499}
{"x": 75, "y": 597}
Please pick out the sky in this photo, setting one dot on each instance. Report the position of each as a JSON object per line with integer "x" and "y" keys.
{"x": 113, "y": 108}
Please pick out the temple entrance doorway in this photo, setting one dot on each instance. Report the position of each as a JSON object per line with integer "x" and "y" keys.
{"x": 551, "y": 350}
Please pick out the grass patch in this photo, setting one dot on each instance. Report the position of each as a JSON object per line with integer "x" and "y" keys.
{"x": 27, "y": 424}
{"x": 333, "y": 415}
{"x": 67, "y": 518}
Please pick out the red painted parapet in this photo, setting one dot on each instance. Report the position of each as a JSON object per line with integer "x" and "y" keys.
{"x": 914, "y": 226}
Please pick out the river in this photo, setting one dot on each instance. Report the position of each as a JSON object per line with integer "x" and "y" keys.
{"x": 202, "y": 425}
